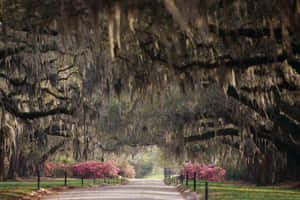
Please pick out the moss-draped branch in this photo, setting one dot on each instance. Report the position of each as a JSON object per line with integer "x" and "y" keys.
{"x": 211, "y": 134}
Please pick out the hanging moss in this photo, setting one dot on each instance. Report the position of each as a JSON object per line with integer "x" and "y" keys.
{"x": 65, "y": 58}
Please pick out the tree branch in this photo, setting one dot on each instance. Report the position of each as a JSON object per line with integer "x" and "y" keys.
{"x": 35, "y": 114}
{"x": 47, "y": 90}
{"x": 246, "y": 32}
{"x": 240, "y": 63}
{"x": 65, "y": 69}
{"x": 50, "y": 152}
{"x": 211, "y": 134}
{"x": 14, "y": 82}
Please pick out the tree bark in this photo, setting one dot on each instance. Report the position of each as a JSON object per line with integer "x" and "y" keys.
{"x": 2, "y": 171}
{"x": 12, "y": 167}
{"x": 211, "y": 134}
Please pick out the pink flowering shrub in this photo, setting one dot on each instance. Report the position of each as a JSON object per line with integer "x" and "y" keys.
{"x": 203, "y": 172}
{"x": 62, "y": 169}
{"x": 89, "y": 169}
{"x": 127, "y": 170}
{"x": 93, "y": 169}
{"x": 50, "y": 169}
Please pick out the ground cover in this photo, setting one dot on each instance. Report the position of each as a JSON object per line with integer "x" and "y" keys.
{"x": 154, "y": 176}
{"x": 234, "y": 191}
{"x": 15, "y": 189}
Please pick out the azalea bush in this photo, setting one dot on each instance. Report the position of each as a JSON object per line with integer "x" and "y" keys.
{"x": 93, "y": 169}
{"x": 90, "y": 169}
{"x": 203, "y": 172}
{"x": 59, "y": 169}
{"x": 127, "y": 170}
{"x": 50, "y": 169}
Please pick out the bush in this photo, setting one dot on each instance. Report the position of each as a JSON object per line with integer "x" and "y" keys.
{"x": 89, "y": 169}
{"x": 203, "y": 172}
{"x": 127, "y": 170}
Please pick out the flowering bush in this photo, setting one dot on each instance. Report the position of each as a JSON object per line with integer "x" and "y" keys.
{"x": 89, "y": 169}
{"x": 50, "y": 169}
{"x": 127, "y": 170}
{"x": 92, "y": 169}
{"x": 203, "y": 172}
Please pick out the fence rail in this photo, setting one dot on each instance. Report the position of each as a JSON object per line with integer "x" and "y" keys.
{"x": 232, "y": 191}
{"x": 77, "y": 181}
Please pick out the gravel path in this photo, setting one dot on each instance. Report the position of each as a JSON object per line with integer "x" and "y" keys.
{"x": 137, "y": 189}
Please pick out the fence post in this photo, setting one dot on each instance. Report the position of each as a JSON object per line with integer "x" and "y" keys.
{"x": 187, "y": 179}
{"x": 206, "y": 190}
{"x": 94, "y": 181}
{"x": 81, "y": 180}
{"x": 38, "y": 180}
{"x": 65, "y": 178}
{"x": 195, "y": 181}
{"x": 104, "y": 179}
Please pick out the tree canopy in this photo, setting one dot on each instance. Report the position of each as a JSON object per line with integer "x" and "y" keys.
{"x": 96, "y": 76}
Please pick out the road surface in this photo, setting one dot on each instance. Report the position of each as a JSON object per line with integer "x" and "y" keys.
{"x": 137, "y": 189}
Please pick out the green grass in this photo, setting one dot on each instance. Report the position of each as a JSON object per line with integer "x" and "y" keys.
{"x": 231, "y": 191}
{"x": 154, "y": 176}
{"x": 17, "y": 189}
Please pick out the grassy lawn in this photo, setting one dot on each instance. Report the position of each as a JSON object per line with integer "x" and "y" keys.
{"x": 16, "y": 189}
{"x": 155, "y": 176}
{"x": 231, "y": 191}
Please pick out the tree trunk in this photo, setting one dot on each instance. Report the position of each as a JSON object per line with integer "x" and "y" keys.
{"x": 292, "y": 171}
{"x": 12, "y": 167}
{"x": 260, "y": 171}
{"x": 23, "y": 168}
{"x": 2, "y": 171}
{"x": 265, "y": 172}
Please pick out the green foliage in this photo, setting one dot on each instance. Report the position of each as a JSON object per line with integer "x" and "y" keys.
{"x": 18, "y": 189}
{"x": 147, "y": 163}
{"x": 155, "y": 175}
{"x": 143, "y": 169}
{"x": 233, "y": 173}
{"x": 235, "y": 191}
{"x": 174, "y": 45}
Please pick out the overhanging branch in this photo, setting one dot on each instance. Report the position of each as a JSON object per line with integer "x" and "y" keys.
{"x": 50, "y": 152}
{"x": 35, "y": 114}
{"x": 240, "y": 63}
{"x": 40, "y": 114}
{"x": 211, "y": 134}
